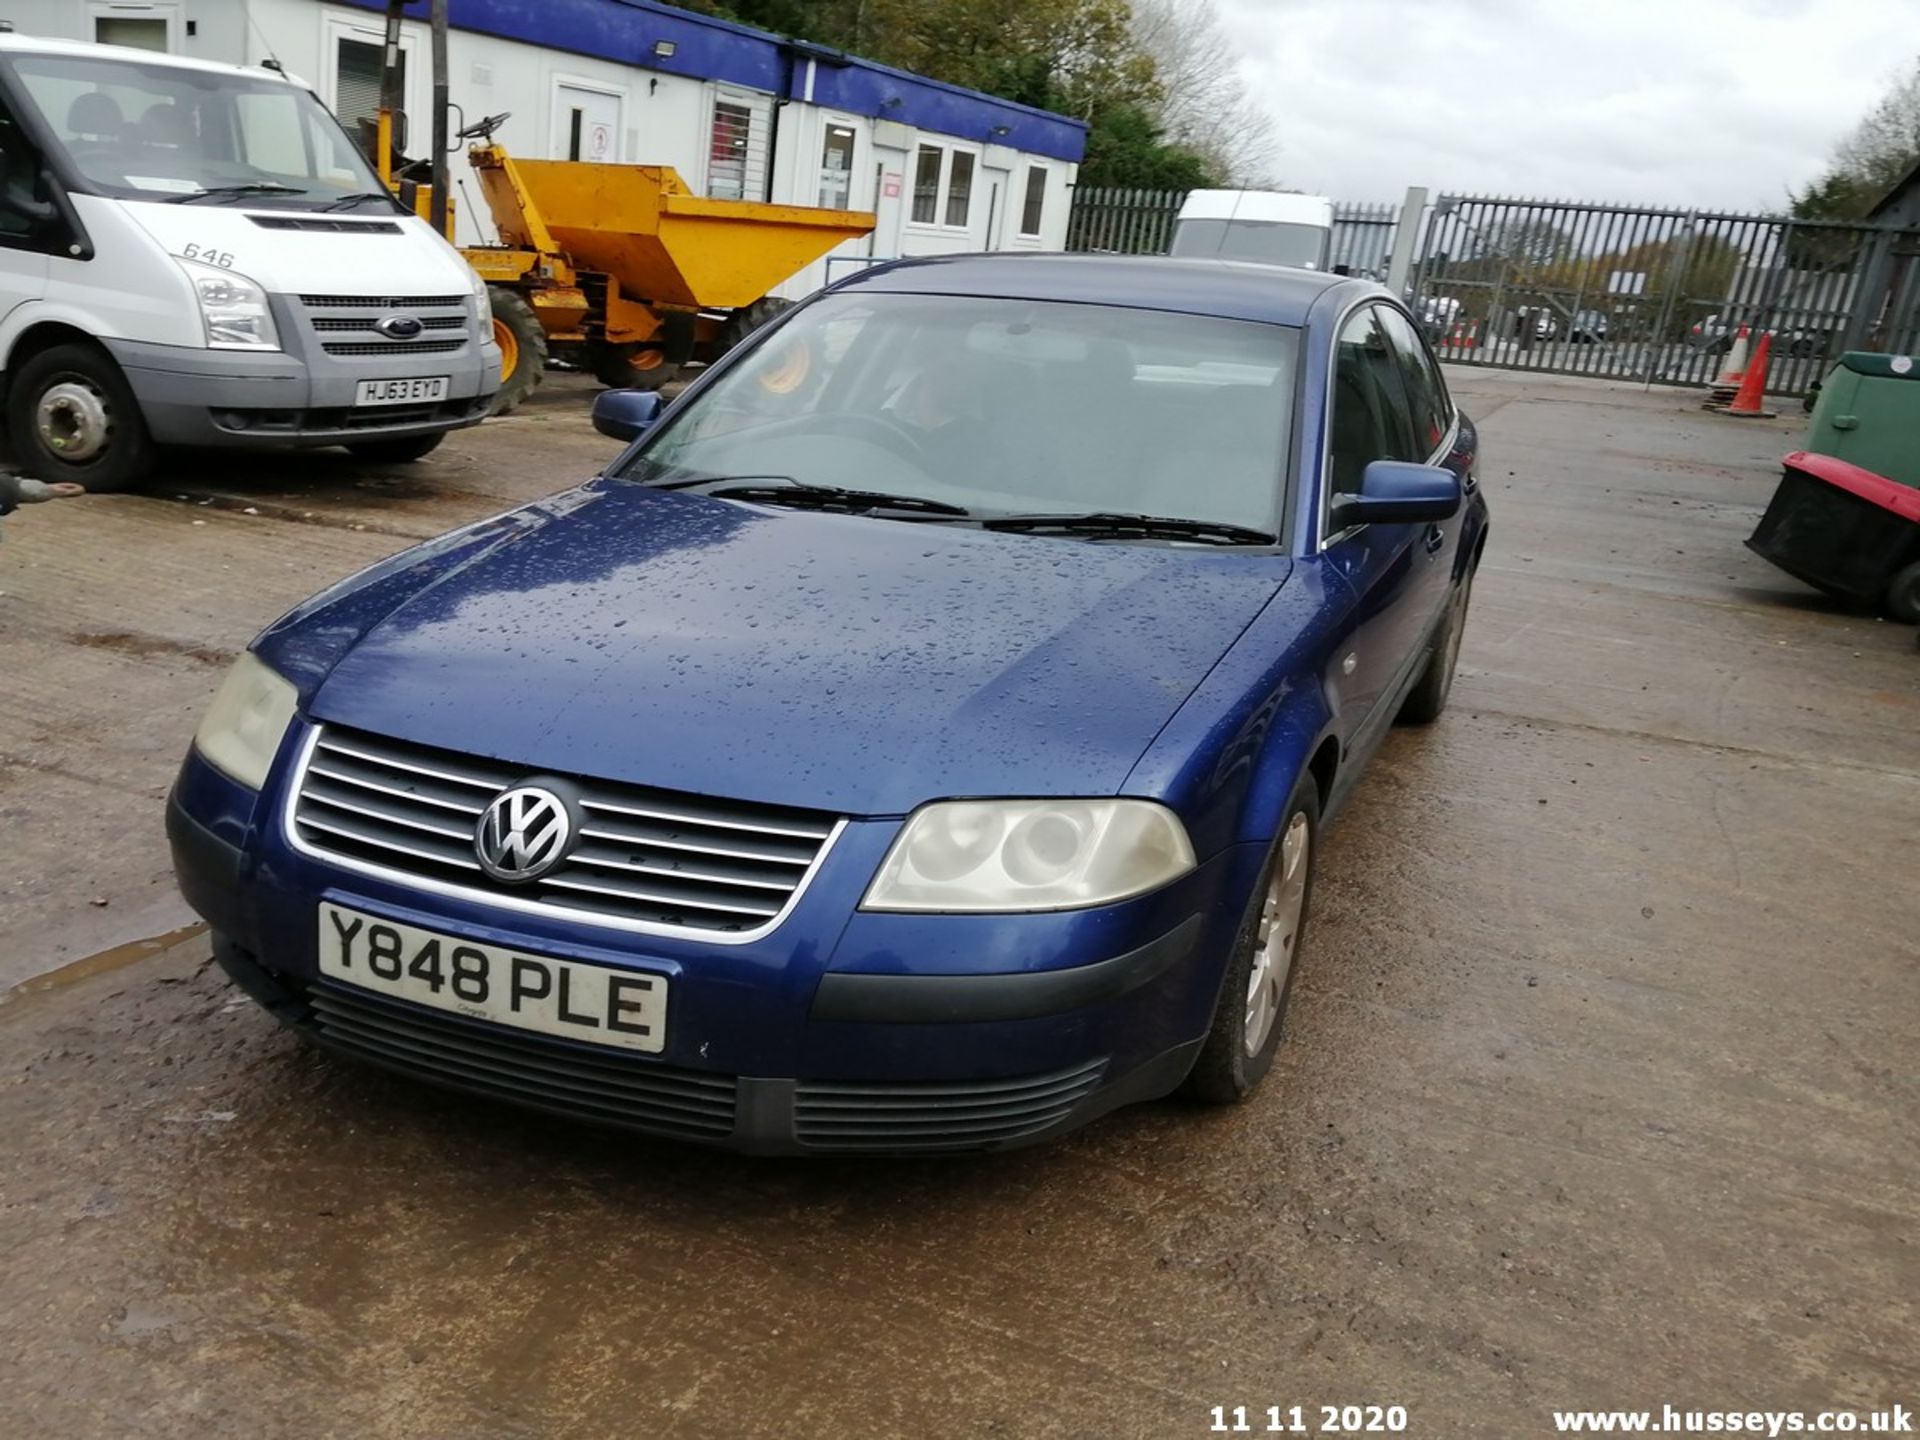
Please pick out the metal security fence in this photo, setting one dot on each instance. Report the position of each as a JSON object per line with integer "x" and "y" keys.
{"x": 1658, "y": 295}
{"x": 1118, "y": 221}
{"x": 1363, "y": 237}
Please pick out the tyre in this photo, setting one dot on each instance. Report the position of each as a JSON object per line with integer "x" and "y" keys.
{"x": 397, "y": 452}
{"x": 73, "y": 417}
{"x": 1245, "y": 1033}
{"x": 749, "y": 318}
{"x": 630, "y": 366}
{"x": 523, "y": 347}
{"x": 1903, "y": 596}
{"x": 1429, "y": 695}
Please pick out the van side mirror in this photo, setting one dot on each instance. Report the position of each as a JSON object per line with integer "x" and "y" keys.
{"x": 1396, "y": 492}
{"x": 625, "y": 414}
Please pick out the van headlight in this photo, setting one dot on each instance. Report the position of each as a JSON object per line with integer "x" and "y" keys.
{"x": 1009, "y": 855}
{"x": 242, "y": 729}
{"x": 233, "y": 308}
{"x": 483, "y": 302}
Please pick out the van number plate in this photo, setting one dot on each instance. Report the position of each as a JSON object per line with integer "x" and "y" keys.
{"x": 423, "y": 391}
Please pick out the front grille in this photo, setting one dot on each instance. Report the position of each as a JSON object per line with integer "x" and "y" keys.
{"x": 957, "y": 1115}
{"x": 645, "y": 858}
{"x": 524, "y": 1067}
{"x": 383, "y": 302}
{"x": 331, "y": 326}
{"x": 396, "y": 348}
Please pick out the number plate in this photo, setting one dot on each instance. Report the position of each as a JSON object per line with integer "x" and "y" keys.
{"x": 487, "y": 982}
{"x": 419, "y": 391}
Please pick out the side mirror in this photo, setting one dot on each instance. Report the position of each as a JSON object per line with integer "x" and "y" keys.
{"x": 624, "y": 414}
{"x": 1396, "y": 492}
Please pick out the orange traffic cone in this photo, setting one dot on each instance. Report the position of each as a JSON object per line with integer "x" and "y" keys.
{"x": 1736, "y": 367}
{"x": 1753, "y": 388}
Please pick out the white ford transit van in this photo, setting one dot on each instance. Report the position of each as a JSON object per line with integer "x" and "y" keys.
{"x": 196, "y": 254}
{"x": 1271, "y": 227}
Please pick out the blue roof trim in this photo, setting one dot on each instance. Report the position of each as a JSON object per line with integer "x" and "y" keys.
{"x": 705, "y": 48}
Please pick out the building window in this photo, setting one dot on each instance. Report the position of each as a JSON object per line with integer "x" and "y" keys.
{"x": 727, "y": 160}
{"x": 1036, "y": 206}
{"x": 141, "y": 32}
{"x": 357, "y": 87}
{"x": 926, "y": 185}
{"x": 960, "y": 189}
{"x": 836, "y": 168}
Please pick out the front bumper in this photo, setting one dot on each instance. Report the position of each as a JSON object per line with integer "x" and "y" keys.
{"x": 301, "y": 396}
{"x": 839, "y": 1031}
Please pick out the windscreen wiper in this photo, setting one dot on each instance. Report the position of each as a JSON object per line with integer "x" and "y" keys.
{"x": 230, "y": 192}
{"x": 1107, "y": 524}
{"x": 358, "y": 197}
{"x": 777, "y": 490}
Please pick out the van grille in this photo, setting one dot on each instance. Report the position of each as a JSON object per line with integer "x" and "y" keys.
{"x": 383, "y": 302}
{"x": 392, "y": 347}
{"x": 643, "y": 859}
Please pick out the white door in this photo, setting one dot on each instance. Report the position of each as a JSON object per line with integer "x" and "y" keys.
{"x": 587, "y": 122}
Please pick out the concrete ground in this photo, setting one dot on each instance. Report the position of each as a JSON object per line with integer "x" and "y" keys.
{"x": 1599, "y": 1088}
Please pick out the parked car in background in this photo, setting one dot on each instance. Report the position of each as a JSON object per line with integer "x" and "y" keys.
{"x": 918, "y": 740}
{"x": 1587, "y": 326}
{"x": 1712, "y": 334}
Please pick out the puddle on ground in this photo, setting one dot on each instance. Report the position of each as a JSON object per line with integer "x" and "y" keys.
{"x": 116, "y": 957}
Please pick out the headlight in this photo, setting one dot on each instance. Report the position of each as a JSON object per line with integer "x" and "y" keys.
{"x": 242, "y": 728}
{"x": 484, "y": 300}
{"x": 1006, "y": 855}
{"x": 234, "y": 309}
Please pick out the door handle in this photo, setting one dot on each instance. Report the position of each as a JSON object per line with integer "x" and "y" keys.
{"x": 1436, "y": 537}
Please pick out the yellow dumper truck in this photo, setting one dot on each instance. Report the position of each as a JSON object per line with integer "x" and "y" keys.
{"x": 629, "y": 271}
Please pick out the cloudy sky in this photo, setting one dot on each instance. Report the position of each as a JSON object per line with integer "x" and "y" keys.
{"x": 1725, "y": 103}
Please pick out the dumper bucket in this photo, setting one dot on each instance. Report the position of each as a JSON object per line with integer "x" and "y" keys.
{"x": 662, "y": 243}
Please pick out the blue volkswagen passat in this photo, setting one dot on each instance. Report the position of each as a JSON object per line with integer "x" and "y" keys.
{"x": 918, "y": 739}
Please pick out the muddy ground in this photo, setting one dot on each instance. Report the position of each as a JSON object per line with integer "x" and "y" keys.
{"x": 1599, "y": 1087}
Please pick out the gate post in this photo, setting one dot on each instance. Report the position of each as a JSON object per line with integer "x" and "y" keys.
{"x": 1412, "y": 211}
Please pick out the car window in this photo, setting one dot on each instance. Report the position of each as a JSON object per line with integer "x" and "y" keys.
{"x": 1427, "y": 402}
{"x": 1370, "y": 419}
{"x": 1003, "y": 406}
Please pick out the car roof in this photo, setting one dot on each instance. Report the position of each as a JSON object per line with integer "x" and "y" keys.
{"x": 1232, "y": 289}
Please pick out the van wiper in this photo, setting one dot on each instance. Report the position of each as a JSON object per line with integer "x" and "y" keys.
{"x": 229, "y": 192}
{"x": 776, "y": 490}
{"x": 357, "y": 198}
{"x": 1107, "y": 524}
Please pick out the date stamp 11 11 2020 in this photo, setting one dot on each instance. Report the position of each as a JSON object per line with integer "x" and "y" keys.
{"x": 1308, "y": 1419}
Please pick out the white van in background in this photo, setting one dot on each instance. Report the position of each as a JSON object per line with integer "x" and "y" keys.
{"x": 1271, "y": 227}
{"x": 195, "y": 254}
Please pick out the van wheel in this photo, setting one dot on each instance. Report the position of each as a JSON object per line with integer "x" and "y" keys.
{"x": 1239, "y": 1047}
{"x": 397, "y": 452}
{"x": 72, "y": 417}
{"x": 523, "y": 347}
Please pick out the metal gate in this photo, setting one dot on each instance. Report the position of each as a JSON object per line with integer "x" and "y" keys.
{"x": 1659, "y": 295}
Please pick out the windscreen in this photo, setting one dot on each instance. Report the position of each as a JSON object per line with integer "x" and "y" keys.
{"x": 1304, "y": 247}
{"x": 1004, "y": 407}
{"x": 150, "y": 131}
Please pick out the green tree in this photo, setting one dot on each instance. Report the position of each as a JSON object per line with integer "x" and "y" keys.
{"x": 1873, "y": 157}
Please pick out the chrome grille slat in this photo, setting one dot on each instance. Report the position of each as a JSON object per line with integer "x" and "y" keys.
{"x": 619, "y": 837}
{"x": 648, "y": 860}
{"x": 384, "y": 302}
{"x": 388, "y": 814}
{"x": 362, "y": 783}
{"x": 393, "y": 347}
{"x": 660, "y": 897}
{"x": 358, "y": 834}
